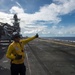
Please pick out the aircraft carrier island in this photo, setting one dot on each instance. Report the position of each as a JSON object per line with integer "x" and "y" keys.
{"x": 44, "y": 57}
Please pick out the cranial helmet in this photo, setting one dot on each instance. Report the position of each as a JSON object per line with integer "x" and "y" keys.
{"x": 15, "y": 35}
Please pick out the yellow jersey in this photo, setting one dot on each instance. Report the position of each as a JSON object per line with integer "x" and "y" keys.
{"x": 17, "y": 49}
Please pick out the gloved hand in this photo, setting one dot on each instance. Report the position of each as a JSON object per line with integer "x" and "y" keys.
{"x": 18, "y": 57}
{"x": 37, "y": 35}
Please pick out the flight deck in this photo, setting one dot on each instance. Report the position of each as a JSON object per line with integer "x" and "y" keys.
{"x": 44, "y": 57}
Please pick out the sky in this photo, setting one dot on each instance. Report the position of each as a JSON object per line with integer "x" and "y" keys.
{"x": 48, "y": 18}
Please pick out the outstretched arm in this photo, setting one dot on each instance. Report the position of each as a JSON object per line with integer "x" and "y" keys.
{"x": 25, "y": 41}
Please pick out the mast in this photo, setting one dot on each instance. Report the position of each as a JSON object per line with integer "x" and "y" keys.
{"x": 16, "y": 24}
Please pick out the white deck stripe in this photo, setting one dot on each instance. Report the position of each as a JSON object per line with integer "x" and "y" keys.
{"x": 28, "y": 64}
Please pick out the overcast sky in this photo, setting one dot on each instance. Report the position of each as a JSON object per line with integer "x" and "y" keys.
{"x": 48, "y": 18}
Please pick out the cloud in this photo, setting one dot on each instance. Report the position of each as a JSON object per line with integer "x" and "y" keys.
{"x": 65, "y": 6}
{"x": 58, "y": 31}
{"x": 49, "y": 13}
{"x": 18, "y": 4}
{"x": 46, "y": 16}
{"x": 16, "y": 9}
{"x": 5, "y": 18}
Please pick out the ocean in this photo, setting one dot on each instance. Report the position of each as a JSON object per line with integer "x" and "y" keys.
{"x": 62, "y": 38}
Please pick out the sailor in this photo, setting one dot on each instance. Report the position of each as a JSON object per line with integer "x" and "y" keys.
{"x": 16, "y": 54}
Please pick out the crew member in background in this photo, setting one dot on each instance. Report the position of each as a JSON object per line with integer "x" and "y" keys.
{"x": 16, "y": 54}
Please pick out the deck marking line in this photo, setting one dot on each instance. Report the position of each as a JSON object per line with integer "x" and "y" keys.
{"x": 28, "y": 64}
